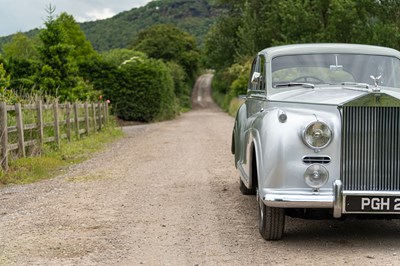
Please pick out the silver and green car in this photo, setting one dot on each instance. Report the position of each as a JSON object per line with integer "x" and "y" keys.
{"x": 318, "y": 135}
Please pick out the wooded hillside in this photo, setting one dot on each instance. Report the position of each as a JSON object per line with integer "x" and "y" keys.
{"x": 192, "y": 16}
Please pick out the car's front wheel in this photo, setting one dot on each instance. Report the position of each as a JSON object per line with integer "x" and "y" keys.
{"x": 244, "y": 189}
{"x": 271, "y": 221}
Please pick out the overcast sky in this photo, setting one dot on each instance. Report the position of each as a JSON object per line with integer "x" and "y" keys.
{"x": 24, "y": 15}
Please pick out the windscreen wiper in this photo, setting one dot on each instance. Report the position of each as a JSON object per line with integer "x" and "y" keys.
{"x": 295, "y": 84}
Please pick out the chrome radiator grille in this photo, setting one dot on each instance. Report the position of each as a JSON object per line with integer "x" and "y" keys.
{"x": 371, "y": 148}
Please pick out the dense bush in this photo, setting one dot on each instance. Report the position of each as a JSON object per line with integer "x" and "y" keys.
{"x": 250, "y": 26}
{"x": 170, "y": 44}
{"x": 105, "y": 73}
{"x": 181, "y": 85}
{"x": 139, "y": 88}
{"x": 146, "y": 91}
{"x": 230, "y": 83}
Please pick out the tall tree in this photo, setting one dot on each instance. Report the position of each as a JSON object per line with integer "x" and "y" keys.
{"x": 21, "y": 47}
{"x": 220, "y": 43}
{"x": 22, "y": 61}
{"x": 57, "y": 74}
{"x": 251, "y": 25}
{"x": 169, "y": 43}
{"x": 60, "y": 53}
{"x": 81, "y": 48}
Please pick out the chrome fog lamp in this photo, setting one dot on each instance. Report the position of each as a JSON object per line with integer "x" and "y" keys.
{"x": 316, "y": 176}
{"x": 317, "y": 135}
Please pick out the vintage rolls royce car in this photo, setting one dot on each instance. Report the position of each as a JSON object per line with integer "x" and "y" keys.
{"x": 319, "y": 134}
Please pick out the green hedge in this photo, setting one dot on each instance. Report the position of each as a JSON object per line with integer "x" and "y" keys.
{"x": 146, "y": 91}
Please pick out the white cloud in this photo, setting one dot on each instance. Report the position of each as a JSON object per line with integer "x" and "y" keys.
{"x": 97, "y": 14}
{"x": 24, "y": 15}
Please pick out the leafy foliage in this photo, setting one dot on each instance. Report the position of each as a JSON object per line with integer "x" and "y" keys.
{"x": 58, "y": 73}
{"x": 179, "y": 50}
{"x": 5, "y": 94}
{"x": 21, "y": 47}
{"x": 146, "y": 93}
{"x": 252, "y": 25}
{"x": 22, "y": 59}
{"x": 139, "y": 88}
{"x": 220, "y": 44}
{"x": 182, "y": 87}
{"x": 170, "y": 44}
{"x": 22, "y": 73}
{"x": 48, "y": 64}
{"x": 231, "y": 82}
{"x": 4, "y": 78}
{"x": 81, "y": 48}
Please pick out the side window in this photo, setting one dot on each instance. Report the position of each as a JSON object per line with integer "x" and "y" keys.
{"x": 261, "y": 83}
{"x": 257, "y": 74}
{"x": 251, "y": 85}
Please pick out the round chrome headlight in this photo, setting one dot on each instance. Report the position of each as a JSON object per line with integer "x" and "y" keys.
{"x": 316, "y": 176}
{"x": 317, "y": 135}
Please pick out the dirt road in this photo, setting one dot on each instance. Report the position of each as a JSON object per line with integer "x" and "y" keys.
{"x": 167, "y": 194}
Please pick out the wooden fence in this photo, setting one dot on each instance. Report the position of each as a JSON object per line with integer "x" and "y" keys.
{"x": 24, "y": 128}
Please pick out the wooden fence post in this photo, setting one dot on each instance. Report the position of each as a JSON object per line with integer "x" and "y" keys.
{"x": 56, "y": 124}
{"x": 108, "y": 112}
{"x": 94, "y": 117}
{"x": 100, "y": 115}
{"x": 39, "y": 109}
{"x": 20, "y": 130}
{"x": 4, "y": 136}
{"x": 68, "y": 120}
{"x": 76, "y": 118}
{"x": 87, "y": 119}
{"x": 105, "y": 109}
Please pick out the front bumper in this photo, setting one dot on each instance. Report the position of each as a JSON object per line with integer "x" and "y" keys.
{"x": 334, "y": 199}
{"x": 330, "y": 200}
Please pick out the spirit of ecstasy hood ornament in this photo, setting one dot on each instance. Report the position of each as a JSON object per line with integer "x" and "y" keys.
{"x": 376, "y": 81}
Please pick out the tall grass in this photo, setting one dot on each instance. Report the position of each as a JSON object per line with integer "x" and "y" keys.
{"x": 234, "y": 106}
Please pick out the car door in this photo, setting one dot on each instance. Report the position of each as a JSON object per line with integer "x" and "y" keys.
{"x": 256, "y": 98}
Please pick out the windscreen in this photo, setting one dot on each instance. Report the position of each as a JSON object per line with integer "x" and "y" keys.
{"x": 336, "y": 69}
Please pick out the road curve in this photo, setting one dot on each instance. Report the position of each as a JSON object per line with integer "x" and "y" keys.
{"x": 201, "y": 93}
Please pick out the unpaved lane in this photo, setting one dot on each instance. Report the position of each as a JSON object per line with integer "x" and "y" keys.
{"x": 201, "y": 94}
{"x": 167, "y": 194}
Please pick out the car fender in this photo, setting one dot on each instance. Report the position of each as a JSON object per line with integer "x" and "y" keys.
{"x": 280, "y": 149}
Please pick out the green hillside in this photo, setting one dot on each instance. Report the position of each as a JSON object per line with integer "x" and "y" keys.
{"x": 192, "y": 16}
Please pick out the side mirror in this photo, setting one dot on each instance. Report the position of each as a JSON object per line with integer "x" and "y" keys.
{"x": 255, "y": 79}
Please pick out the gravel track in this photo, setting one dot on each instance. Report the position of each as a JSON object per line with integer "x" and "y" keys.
{"x": 167, "y": 194}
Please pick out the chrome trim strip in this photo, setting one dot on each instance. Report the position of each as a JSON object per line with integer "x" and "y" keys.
{"x": 370, "y": 193}
{"x": 243, "y": 175}
{"x": 298, "y": 201}
{"x": 321, "y": 159}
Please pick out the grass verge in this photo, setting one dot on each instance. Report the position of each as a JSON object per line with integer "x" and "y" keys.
{"x": 234, "y": 106}
{"x": 52, "y": 160}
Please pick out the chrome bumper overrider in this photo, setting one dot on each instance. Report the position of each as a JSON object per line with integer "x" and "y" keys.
{"x": 333, "y": 200}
